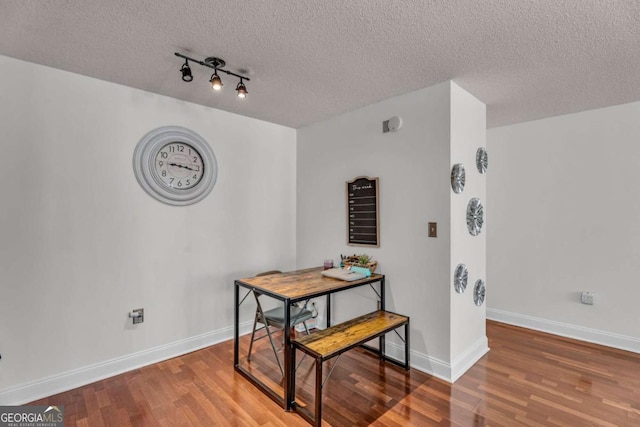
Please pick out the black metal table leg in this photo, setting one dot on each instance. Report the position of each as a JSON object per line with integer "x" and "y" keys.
{"x": 382, "y": 340}
{"x": 236, "y": 324}
{"x": 288, "y": 366}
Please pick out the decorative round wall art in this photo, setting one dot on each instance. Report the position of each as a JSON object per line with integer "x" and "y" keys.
{"x": 458, "y": 178}
{"x": 175, "y": 165}
{"x": 482, "y": 160}
{"x": 460, "y": 277}
{"x": 475, "y": 216}
{"x": 479, "y": 291}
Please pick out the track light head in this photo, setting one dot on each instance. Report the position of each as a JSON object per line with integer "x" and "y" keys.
{"x": 216, "y": 82}
{"x": 242, "y": 90}
{"x": 217, "y": 65}
{"x": 186, "y": 72}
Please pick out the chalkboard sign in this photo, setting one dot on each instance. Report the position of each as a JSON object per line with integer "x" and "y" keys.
{"x": 363, "y": 219}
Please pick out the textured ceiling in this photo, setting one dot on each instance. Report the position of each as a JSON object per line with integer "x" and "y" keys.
{"x": 310, "y": 60}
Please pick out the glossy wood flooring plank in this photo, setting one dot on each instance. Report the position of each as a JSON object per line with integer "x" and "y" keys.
{"x": 527, "y": 379}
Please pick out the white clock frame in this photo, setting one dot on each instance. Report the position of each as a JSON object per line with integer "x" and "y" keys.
{"x": 144, "y": 157}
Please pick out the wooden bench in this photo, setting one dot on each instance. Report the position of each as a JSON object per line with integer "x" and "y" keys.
{"x": 335, "y": 340}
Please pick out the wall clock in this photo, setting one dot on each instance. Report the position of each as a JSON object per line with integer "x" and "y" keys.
{"x": 482, "y": 160}
{"x": 475, "y": 216}
{"x": 460, "y": 277}
{"x": 175, "y": 165}
{"x": 458, "y": 178}
{"x": 479, "y": 291}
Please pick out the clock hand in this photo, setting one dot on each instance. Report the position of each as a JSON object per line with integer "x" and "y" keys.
{"x": 181, "y": 166}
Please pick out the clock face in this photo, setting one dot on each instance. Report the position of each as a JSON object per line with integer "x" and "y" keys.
{"x": 482, "y": 160}
{"x": 475, "y": 217}
{"x": 460, "y": 277}
{"x": 479, "y": 291}
{"x": 179, "y": 166}
{"x": 458, "y": 178}
{"x": 175, "y": 165}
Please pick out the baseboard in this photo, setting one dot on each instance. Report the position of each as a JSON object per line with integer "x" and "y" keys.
{"x": 434, "y": 366}
{"x": 468, "y": 358}
{"x": 581, "y": 333}
{"x": 35, "y": 390}
{"x": 420, "y": 361}
{"x": 438, "y": 368}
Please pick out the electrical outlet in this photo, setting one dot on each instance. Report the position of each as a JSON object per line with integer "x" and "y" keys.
{"x": 311, "y": 324}
{"x": 137, "y": 315}
{"x": 586, "y": 297}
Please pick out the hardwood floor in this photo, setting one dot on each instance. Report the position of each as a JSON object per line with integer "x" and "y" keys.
{"x": 528, "y": 378}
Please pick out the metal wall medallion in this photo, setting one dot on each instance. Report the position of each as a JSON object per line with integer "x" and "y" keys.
{"x": 482, "y": 160}
{"x": 479, "y": 291}
{"x": 460, "y": 277}
{"x": 475, "y": 216}
{"x": 458, "y": 178}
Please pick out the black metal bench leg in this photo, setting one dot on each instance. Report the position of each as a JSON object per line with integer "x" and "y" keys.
{"x": 406, "y": 346}
{"x": 318, "y": 402}
{"x": 293, "y": 377}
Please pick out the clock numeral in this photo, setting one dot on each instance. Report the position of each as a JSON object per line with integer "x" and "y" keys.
{"x": 188, "y": 182}
{"x": 195, "y": 176}
{"x": 164, "y": 154}
{"x": 195, "y": 159}
{"x": 164, "y": 173}
{"x": 160, "y": 163}
{"x": 171, "y": 180}
{"x": 179, "y": 183}
{"x": 197, "y": 168}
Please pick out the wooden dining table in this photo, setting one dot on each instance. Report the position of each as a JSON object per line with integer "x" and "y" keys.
{"x": 290, "y": 288}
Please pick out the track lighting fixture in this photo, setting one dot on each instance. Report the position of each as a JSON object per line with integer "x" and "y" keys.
{"x": 216, "y": 82}
{"x": 186, "y": 71}
{"x": 241, "y": 89}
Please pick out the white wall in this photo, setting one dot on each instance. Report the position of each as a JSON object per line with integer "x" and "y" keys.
{"x": 82, "y": 244}
{"x": 413, "y": 167}
{"x": 468, "y": 325}
{"x": 565, "y": 217}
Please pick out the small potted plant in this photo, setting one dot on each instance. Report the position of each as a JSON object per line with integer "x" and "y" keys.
{"x": 361, "y": 260}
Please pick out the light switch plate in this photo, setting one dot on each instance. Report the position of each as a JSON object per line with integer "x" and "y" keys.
{"x": 433, "y": 229}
